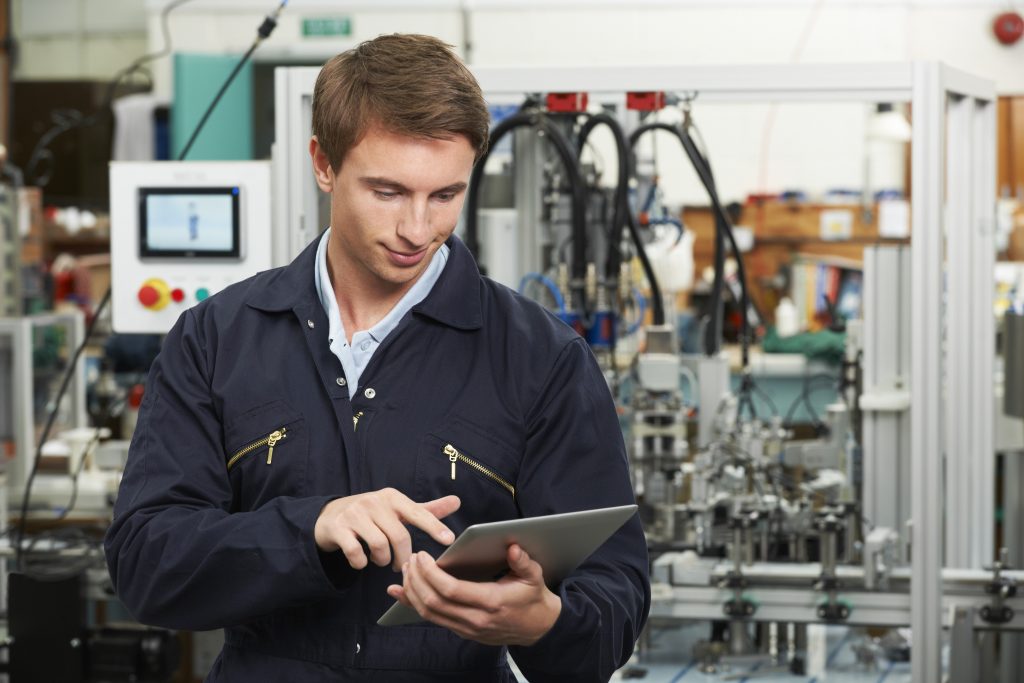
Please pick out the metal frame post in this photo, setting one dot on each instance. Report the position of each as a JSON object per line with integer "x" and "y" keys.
{"x": 983, "y": 191}
{"x": 970, "y": 334}
{"x": 926, "y": 443}
{"x": 885, "y": 401}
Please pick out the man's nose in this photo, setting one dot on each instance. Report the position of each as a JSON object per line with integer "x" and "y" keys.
{"x": 415, "y": 225}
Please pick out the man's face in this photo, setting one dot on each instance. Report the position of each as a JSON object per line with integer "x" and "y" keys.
{"x": 394, "y": 202}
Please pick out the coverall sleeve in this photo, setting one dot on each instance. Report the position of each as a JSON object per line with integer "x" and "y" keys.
{"x": 576, "y": 460}
{"x": 178, "y": 557}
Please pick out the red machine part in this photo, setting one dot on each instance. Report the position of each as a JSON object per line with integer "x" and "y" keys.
{"x": 567, "y": 102}
{"x": 154, "y": 294}
{"x": 1008, "y": 27}
{"x": 645, "y": 101}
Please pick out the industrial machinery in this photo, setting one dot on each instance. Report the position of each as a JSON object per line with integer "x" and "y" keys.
{"x": 750, "y": 528}
{"x": 182, "y": 231}
{"x": 759, "y": 532}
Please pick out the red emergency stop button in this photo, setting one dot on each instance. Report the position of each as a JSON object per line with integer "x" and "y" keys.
{"x": 177, "y": 295}
{"x": 154, "y": 294}
{"x": 148, "y": 296}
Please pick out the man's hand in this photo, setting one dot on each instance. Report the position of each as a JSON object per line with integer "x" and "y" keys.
{"x": 515, "y": 610}
{"x": 378, "y": 519}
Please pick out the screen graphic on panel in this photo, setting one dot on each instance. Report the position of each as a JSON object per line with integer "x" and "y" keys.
{"x": 189, "y": 222}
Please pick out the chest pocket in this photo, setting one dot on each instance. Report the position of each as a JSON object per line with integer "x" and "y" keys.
{"x": 461, "y": 459}
{"x": 266, "y": 454}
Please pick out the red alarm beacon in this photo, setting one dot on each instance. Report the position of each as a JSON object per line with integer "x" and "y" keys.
{"x": 1008, "y": 27}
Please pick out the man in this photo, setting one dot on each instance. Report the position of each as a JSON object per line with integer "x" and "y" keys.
{"x": 305, "y": 432}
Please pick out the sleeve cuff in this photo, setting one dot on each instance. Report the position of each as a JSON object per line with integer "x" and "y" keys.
{"x": 569, "y": 639}
{"x": 331, "y": 569}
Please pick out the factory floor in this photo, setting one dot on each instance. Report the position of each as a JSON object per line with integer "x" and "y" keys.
{"x": 669, "y": 660}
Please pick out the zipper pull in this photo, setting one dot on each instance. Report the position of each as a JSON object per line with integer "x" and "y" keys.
{"x": 355, "y": 420}
{"x": 453, "y": 455}
{"x": 272, "y": 440}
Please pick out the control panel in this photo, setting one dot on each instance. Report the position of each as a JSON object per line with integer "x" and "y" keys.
{"x": 180, "y": 233}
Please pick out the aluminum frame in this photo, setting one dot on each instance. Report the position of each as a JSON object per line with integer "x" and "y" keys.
{"x": 929, "y": 87}
{"x": 885, "y": 401}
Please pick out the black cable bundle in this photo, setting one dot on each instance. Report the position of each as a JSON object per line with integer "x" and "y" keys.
{"x": 623, "y": 215}
{"x": 535, "y": 119}
{"x": 723, "y": 231}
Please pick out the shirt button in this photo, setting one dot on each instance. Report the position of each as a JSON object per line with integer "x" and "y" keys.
{"x": 341, "y": 381}
{"x": 369, "y": 393}
{"x": 365, "y": 345}
{"x": 310, "y": 323}
{"x": 358, "y": 648}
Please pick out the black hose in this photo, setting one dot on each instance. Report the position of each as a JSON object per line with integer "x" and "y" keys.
{"x": 623, "y": 214}
{"x": 621, "y": 207}
{"x": 723, "y": 231}
{"x": 657, "y": 305}
{"x": 576, "y": 185}
{"x": 703, "y": 168}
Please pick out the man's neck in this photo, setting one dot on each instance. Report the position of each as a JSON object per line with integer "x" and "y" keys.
{"x": 362, "y": 303}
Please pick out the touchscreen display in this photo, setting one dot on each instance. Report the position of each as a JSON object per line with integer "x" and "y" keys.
{"x": 189, "y": 222}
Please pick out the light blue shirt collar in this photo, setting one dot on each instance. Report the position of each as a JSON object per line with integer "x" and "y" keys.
{"x": 355, "y": 356}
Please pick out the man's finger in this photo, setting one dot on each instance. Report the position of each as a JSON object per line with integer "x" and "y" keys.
{"x": 398, "y": 537}
{"x": 442, "y": 507}
{"x": 518, "y": 560}
{"x": 423, "y": 517}
{"x": 411, "y": 588}
{"x": 375, "y": 540}
{"x": 456, "y": 593}
{"x": 424, "y": 586}
{"x": 520, "y": 563}
{"x": 352, "y": 548}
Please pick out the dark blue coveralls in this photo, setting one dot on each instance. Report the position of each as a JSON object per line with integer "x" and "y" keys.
{"x": 197, "y": 544}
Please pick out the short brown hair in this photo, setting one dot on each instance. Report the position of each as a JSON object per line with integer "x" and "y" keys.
{"x": 408, "y": 84}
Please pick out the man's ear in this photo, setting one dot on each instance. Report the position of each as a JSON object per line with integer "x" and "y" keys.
{"x": 322, "y": 170}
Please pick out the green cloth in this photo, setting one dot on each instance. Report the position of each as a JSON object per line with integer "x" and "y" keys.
{"x": 825, "y": 345}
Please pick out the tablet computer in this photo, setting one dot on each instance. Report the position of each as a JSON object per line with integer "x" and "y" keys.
{"x": 559, "y": 543}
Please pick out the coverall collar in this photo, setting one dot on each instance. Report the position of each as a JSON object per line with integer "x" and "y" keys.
{"x": 454, "y": 300}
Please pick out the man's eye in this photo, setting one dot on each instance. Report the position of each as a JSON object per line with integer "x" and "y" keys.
{"x": 445, "y": 196}
{"x": 385, "y": 195}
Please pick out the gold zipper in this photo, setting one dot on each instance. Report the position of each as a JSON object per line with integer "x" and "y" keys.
{"x": 355, "y": 420}
{"x": 455, "y": 456}
{"x": 269, "y": 440}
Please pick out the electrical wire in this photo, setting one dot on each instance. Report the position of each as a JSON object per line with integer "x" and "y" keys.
{"x": 641, "y": 307}
{"x": 45, "y": 435}
{"x": 723, "y": 231}
{"x": 77, "y": 473}
{"x": 548, "y": 283}
{"x": 804, "y": 398}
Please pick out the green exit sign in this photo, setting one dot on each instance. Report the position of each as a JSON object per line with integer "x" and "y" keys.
{"x": 326, "y": 26}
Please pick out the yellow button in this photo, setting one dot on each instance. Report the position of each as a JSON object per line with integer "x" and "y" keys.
{"x": 154, "y": 294}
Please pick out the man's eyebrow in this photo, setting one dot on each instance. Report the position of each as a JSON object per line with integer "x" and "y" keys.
{"x": 383, "y": 182}
{"x": 454, "y": 188}
{"x": 397, "y": 186}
